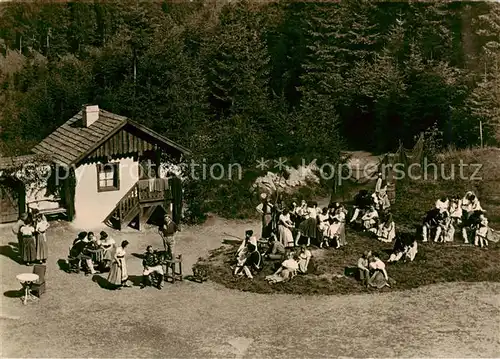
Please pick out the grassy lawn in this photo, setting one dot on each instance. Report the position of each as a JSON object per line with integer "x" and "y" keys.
{"x": 434, "y": 263}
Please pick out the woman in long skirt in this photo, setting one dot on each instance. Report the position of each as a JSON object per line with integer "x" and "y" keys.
{"x": 118, "y": 275}
{"x": 308, "y": 228}
{"x": 29, "y": 245}
{"x": 41, "y": 225}
{"x": 285, "y": 229}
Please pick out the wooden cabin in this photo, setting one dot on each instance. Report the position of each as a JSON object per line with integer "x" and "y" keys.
{"x": 107, "y": 170}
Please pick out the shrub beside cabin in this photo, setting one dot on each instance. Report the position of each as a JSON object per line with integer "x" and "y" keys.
{"x": 103, "y": 168}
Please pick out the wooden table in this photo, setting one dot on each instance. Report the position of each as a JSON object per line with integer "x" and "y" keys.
{"x": 27, "y": 280}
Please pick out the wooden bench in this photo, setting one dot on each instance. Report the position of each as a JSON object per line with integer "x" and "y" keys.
{"x": 47, "y": 211}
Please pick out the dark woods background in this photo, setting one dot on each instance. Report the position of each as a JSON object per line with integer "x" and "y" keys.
{"x": 240, "y": 81}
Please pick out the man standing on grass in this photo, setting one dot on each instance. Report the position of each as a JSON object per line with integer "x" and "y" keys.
{"x": 167, "y": 231}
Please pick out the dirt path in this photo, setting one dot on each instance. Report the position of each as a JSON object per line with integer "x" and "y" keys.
{"x": 77, "y": 318}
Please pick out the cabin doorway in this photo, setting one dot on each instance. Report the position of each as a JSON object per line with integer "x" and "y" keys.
{"x": 12, "y": 200}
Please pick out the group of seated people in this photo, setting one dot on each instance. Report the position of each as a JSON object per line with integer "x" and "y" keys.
{"x": 371, "y": 271}
{"x": 374, "y": 212}
{"x": 89, "y": 252}
{"x": 441, "y": 222}
{"x": 251, "y": 254}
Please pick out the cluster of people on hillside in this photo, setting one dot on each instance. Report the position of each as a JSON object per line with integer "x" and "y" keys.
{"x": 250, "y": 257}
{"x": 30, "y": 230}
{"x": 449, "y": 214}
{"x": 306, "y": 223}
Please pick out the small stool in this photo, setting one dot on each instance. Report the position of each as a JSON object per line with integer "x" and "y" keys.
{"x": 171, "y": 263}
{"x": 200, "y": 273}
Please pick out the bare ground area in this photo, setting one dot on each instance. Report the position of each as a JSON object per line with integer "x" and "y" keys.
{"x": 77, "y": 318}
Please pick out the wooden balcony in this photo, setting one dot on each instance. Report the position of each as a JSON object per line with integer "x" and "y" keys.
{"x": 152, "y": 190}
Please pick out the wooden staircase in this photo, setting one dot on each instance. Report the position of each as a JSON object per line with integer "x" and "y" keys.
{"x": 139, "y": 203}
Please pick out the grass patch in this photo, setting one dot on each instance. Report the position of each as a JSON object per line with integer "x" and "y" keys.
{"x": 434, "y": 263}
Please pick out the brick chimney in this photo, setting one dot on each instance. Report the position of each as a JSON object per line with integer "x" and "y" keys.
{"x": 90, "y": 114}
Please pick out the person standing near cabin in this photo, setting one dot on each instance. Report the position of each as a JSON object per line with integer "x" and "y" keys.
{"x": 265, "y": 210}
{"x": 118, "y": 275}
{"x": 41, "y": 225}
{"x": 167, "y": 231}
{"x": 29, "y": 246}
{"x": 16, "y": 229}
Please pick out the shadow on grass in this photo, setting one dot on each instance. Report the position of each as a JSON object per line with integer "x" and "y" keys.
{"x": 102, "y": 282}
{"x": 63, "y": 265}
{"x": 8, "y": 251}
{"x": 14, "y": 293}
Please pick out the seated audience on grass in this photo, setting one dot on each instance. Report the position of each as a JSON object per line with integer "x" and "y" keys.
{"x": 470, "y": 224}
{"x": 253, "y": 263}
{"x": 285, "y": 226}
{"x": 480, "y": 237}
{"x": 378, "y": 273}
{"x": 109, "y": 246}
{"x": 362, "y": 202}
{"x": 443, "y": 204}
{"x": 308, "y": 227}
{"x": 386, "y": 231}
{"x": 430, "y": 224}
{"x": 286, "y": 271}
{"x": 276, "y": 249}
{"x": 405, "y": 246}
{"x": 363, "y": 268}
{"x": 445, "y": 229}
{"x": 456, "y": 212}
{"x": 242, "y": 252}
{"x": 382, "y": 200}
{"x": 370, "y": 219}
{"x": 303, "y": 258}
{"x": 470, "y": 204}
{"x": 152, "y": 266}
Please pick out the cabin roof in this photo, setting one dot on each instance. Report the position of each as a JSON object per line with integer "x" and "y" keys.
{"x": 17, "y": 162}
{"x": 72, "y": 142}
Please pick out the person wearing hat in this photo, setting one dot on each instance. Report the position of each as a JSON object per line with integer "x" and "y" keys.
{"x": 167, "y": 232}
{"x": 16, "y": 230}
{"x": 265, "y": 210}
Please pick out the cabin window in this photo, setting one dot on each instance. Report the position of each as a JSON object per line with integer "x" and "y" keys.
{"x": 108, "y": 177}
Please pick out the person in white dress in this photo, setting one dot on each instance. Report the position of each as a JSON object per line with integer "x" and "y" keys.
{"x": 118, "y": 275}
{"x": 285, "y": 226}
{"x": 480, "y": 238}
{"x": 287, "y": 271}
{"x": 370, "y": 219}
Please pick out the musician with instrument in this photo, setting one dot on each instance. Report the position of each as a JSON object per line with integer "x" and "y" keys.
{"x": 152, "y": 265}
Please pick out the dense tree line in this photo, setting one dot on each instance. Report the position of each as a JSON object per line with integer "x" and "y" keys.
{"x": 240, "y": 80}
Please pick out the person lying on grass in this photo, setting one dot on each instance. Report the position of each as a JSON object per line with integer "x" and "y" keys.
{"x": 378, "y": 274}
{"x": 286, "y": 271}
{"x": 405, "y": 246}
{"x": 252, "y": 264}
{"x": 276, "y": 249}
